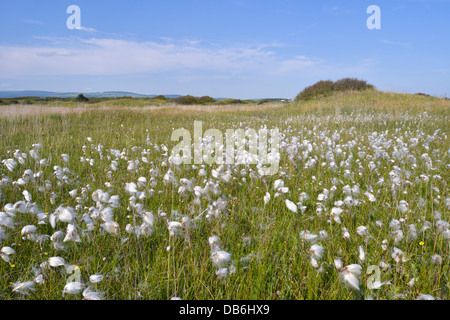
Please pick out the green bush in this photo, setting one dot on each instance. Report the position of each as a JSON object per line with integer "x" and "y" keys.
{"x": 186, "y": 100}
{"x": 325, "y": 88}
{"x": 229, "y": 101}
{"x": 206, "y": 100}
{"x": 194, "y": 100}
{"x": 82, "y": 98}
{"x": 270, "y": 100}
{"x": 347, "y": 84}
{"x": 160, "y": 97}
{"x": 321, "y": 88}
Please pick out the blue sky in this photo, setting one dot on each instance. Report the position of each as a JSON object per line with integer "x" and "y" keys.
{"x": 223, "y": 48}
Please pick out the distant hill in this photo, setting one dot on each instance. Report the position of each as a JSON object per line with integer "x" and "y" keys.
{"x": 106, "y": 94}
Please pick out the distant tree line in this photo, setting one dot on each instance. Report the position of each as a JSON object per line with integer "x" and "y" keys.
{"x": 156, "y": 100}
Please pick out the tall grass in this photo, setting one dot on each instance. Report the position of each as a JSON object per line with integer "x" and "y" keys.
{"x": 269, "y": 256}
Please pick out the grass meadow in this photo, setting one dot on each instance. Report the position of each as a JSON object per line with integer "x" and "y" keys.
{"x": 93, "y": 207}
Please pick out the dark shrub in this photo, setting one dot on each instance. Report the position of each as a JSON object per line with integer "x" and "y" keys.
{"x": 186, "y": 100}
{"x": 262, "y": 101}
{"x": 206, "y": 100}
{"x": 81, "y": 98}
{"x": 347, "y": 84}
{"x": 326, "y": 88}
{"x": 321, "y": 88}
{"x": 230, "y": 101}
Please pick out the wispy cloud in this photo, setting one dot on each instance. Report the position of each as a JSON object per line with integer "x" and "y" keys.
{"x": 103, "y": 56}
{"x": 90, "y": 30}
{"x": 34, "y": 22}
{"x": 5, "y": 86}
{"x": 106, "y": 56}
{"x": 296, "y": 64}
{"x": 360, "y": 68}
{"x": 394, "y": 43}
{"x": 56, "y": 53}
{"x": 335, "y": 10}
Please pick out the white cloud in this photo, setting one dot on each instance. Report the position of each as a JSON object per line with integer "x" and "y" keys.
{"x": 403, "y": 44}
{"x": 87, "y": 29}
{"x": 296, "y": 64}
{"x": 35, "y": 22}
{"x": 5, "y": 86}
{"x": 107, "y": 56}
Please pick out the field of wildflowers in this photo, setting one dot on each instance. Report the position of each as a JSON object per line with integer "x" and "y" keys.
{"x": 93, "y": 205}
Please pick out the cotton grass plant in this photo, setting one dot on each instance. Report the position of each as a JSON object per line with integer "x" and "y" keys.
{"x": 92, "y": 206}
